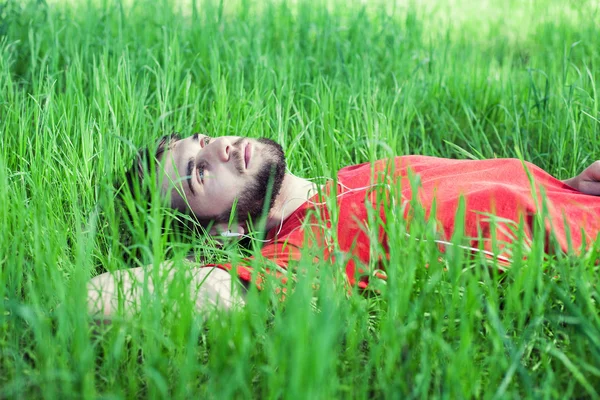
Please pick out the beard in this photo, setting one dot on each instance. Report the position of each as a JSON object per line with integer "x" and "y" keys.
{"x": 258, "y": 197}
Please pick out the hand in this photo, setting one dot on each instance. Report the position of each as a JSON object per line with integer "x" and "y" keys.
{"x": 588, "y": 181}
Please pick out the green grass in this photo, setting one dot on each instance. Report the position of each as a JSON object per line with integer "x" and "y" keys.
{"x": 82, "y": 85}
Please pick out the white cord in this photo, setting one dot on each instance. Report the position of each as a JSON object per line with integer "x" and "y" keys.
{"x": 351, "y": 190}
{"x": 473, "y": 249}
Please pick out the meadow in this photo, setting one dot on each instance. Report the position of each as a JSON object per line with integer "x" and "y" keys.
{"x": 84, "y": 84}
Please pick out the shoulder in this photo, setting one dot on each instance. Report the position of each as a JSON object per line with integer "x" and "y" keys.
{"x": 395, "y": 163}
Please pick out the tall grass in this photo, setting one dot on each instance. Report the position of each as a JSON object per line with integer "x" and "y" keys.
{"x": 83, "y": 84}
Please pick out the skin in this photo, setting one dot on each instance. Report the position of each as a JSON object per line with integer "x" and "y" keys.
{"x": 213, "y": 192}
{"x": 209, "y": 288}
{"x": 225, "y": 176}
{"x": 217, "y": 177}
{"x": 210, "y": 186}
{"x": 223, "y": 180}
{"x": 588, "y": 181}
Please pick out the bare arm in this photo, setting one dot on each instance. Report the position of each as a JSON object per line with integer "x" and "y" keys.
{"x": 207, "y": 287}
{"x": 588, "y": 181}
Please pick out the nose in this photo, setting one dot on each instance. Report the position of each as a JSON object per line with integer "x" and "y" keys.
{"x": 222, "y": 147}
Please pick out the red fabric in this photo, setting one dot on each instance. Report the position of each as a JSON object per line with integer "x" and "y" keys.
{"x": 499, "y": 187}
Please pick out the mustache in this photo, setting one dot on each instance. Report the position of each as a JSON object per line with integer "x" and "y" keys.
{"x": 236, "y": 155}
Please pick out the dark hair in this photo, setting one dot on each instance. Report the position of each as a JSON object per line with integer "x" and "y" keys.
{"x": 268, "y": 183}
{"x": 133, "y": 196}
{"x": 145, "y": 160}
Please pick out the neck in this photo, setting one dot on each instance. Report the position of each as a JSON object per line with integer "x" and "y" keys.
{"x": 294, "y": 192}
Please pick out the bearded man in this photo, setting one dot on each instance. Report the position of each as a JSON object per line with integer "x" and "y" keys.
{"x": 224, "y": 179}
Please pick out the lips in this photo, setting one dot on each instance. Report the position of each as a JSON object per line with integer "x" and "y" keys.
{"x": 247, "y": 155}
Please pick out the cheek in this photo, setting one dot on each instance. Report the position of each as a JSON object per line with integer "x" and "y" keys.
{"x": 224, "y": 193}
{"x": 232, "y": 187}
{"x": 177, "y": 201}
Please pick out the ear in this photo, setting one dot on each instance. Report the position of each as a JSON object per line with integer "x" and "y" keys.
{"x": 239, "y": 229}
{"x": 221, "y": 229}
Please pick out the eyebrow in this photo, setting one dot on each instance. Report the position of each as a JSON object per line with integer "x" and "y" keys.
{"x": 165, "y": 143}
{"x": 195, "y": 137}
{"x": 190, "y": 167}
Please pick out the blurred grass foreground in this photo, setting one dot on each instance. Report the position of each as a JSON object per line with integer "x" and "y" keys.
{"x": 85, "y": 83}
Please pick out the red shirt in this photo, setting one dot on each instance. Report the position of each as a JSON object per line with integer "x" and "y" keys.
{"x": 499, "y": 188}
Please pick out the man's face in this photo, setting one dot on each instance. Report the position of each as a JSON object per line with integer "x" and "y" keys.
{"x": 206, "y": 175}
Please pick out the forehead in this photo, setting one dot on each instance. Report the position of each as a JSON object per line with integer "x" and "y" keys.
{"x": 164, "y": 144}
{"x": 174, "y": 143}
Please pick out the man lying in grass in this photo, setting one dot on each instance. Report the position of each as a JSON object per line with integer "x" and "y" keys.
{"x": 210, "y": 177}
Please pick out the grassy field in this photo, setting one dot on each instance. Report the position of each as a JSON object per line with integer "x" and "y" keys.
{"x": 83, "y": 84}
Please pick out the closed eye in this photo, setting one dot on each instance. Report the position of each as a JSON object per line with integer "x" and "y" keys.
{"x": 201, "y": 174}
{"x": 201, "y": 166}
